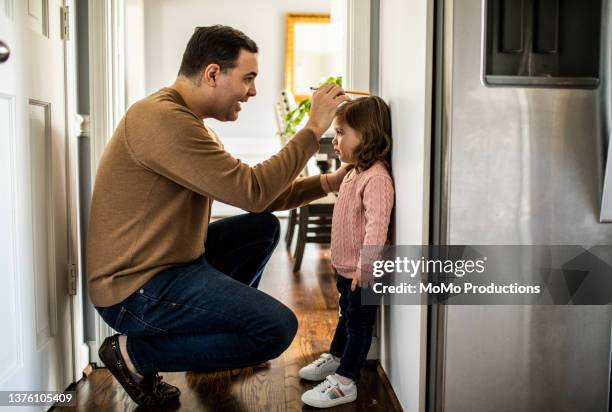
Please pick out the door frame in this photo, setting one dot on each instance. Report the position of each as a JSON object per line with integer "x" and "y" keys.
{"x": 107, "y": 103}
{"x": 80, "y": 351}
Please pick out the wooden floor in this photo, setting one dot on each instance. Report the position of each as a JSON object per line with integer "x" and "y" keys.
{"x": 312, "y": 295}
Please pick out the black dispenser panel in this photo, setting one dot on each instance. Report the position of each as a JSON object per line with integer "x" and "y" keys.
{"x": 549, "y": 43}
{"x": 511, "y": 26}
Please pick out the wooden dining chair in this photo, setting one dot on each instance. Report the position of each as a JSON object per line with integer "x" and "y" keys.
{"x": 314, "y": 223}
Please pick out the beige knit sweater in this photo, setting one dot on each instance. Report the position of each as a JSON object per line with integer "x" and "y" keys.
{"x": 155, "y": 186}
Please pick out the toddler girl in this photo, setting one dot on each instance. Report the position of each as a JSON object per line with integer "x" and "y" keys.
{"x": 361, "y": 218}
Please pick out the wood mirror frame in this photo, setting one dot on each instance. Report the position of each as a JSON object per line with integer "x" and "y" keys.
{"x": 292, "y": 20}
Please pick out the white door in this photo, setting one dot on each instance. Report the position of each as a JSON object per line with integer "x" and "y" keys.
{"x": 35, "y": 349}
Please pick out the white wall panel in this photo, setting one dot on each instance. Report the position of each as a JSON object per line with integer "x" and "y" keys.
{"x": 405, "y": 76}
{"x": 10, "y": 344}
{"x": 38, "y": 16}
{"x": 40, "y": 149}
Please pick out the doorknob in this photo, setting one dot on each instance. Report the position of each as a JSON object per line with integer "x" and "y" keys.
{"x": 5, "y": 52}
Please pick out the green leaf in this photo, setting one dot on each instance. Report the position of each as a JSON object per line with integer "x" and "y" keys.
{"x": 299, "y": 118}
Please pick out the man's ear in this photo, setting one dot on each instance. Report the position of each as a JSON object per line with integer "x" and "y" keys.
{"x": 210, "y": 74}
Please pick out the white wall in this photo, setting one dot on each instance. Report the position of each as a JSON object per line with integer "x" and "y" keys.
{"x": 168, "y": 25}
{"x": 134, "y": 51}
{"x": 405, "y": 79}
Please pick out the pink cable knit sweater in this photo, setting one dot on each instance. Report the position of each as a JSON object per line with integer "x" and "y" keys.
{"x": 361, "y": 216}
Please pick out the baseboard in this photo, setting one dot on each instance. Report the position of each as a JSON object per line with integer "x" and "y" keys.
{"x": 396, "y": 405}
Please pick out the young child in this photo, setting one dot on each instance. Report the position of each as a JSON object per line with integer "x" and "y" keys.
{"x": 361, "y": 217}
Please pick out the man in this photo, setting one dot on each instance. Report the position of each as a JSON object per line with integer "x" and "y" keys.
{"x": 183, "y": 292}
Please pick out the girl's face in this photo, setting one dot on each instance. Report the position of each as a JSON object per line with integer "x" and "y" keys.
{"x": 345, "y": 141}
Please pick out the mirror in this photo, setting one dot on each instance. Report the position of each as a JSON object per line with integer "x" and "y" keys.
{"x": 312, "y": 54}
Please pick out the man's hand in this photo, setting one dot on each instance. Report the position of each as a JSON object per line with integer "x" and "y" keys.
{"x": 331, "y": 181}
{"x": 325, "y": 100}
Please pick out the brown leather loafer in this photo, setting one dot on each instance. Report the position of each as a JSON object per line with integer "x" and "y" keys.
{"x": 150, "y": 391}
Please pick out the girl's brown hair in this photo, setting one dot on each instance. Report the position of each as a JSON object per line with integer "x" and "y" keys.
{"x": 371, "y": 118}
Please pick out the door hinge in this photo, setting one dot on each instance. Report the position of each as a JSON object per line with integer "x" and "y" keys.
{"x": 72, "y": 279}
{"x": 65, "y": 23}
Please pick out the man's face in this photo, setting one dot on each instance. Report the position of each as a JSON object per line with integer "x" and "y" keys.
{"x": 235, "y": 86}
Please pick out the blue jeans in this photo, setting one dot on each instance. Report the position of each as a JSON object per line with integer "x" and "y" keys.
{"x": 208, "y": 315}
{"x": 353, "y": 335}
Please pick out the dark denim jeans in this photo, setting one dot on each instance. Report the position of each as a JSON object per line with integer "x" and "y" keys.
{"x": 353, "y": 335}
{"x": 208, "y": 315}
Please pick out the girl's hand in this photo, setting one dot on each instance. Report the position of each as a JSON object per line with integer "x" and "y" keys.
{"x": 362, "y": 279}
{"x": 356, "y": 280}
{"x": 335, "y": 178}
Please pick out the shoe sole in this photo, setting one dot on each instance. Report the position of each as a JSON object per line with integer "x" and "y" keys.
{"x": 331, "y": 403}
{"x": 313, "y": 378}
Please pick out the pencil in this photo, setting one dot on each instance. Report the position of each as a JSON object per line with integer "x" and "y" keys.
{"x": 348, "y": 91}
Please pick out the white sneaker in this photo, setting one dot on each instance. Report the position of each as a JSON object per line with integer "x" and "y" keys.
{"x": 330, "y": 393}
{"x": 320, "y": 368}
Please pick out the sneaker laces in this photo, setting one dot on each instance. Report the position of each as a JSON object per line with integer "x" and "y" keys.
{"x": 323, "y": 359}
{"x": 325, "y": 385}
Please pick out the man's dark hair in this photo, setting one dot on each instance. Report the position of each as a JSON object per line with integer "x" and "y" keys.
{"x": 214, "y": 44}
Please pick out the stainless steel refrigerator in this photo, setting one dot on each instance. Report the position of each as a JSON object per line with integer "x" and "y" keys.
{"x": 521, "y": 131}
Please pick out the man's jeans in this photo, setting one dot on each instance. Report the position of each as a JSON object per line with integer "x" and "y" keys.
{"x": 208, "y": 315}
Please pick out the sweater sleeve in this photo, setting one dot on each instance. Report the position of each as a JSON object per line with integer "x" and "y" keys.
{"x": 378, "y": 203}
{"x": 301, "y": 192}
{"x": 183, "y": 151}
